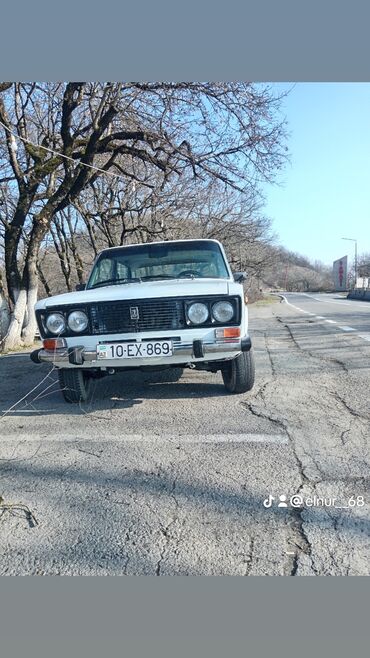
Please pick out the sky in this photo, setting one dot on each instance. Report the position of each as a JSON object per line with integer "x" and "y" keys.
{"x": 324, "y": 193}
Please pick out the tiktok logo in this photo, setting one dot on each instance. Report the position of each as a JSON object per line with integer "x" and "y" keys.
{"x": 268, "y": 501}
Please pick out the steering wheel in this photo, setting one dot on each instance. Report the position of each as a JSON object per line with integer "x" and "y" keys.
{"x": 189, "y": 273}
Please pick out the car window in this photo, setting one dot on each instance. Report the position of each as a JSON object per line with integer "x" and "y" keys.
{"x": 104, "y": 271}
{"x": 198, "y": 259}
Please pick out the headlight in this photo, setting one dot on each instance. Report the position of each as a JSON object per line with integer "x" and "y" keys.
{"x": 78, "y": 321}
{"x": 198, "y": 313}
{"x": 222, "y": 311}
{"x": 55, "y": 323}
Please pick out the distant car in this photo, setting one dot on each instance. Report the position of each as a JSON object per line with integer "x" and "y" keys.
{"x": 157, "y": 305}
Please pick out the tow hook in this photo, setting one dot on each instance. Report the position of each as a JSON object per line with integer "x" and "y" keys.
{"x": 34, "y": 356}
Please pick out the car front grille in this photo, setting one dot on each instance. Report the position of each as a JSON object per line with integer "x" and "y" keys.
{"x": 137, "y": 315}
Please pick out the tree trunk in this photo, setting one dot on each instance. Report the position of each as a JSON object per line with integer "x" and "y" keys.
{"x": 12, "y": 238}
{"x": 13, "y": 335}
{"x": 29, "y": 330}
{"x": 30, "y": 277}
{"x": 4, "y": 316}
{"x": 22, "y": 327}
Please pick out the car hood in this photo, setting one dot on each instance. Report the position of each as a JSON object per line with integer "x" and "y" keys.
{"x": 136, "y": 290}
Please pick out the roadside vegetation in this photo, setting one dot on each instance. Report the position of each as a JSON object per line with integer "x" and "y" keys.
{"x": 90, "y": 165}
{"x": 266, "y": 300}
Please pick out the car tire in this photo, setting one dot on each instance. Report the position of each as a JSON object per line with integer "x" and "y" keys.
{"x": 74, "y": 384}
{"x": 238, "y": 374}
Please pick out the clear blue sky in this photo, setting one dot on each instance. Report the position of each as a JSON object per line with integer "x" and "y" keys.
{"x": 324, "y": 193}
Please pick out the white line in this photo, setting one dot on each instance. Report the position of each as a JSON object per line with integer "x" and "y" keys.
{"x": 347, "y": 328}
{"x": 345, "y": 302}
{"x": 331, "y": 321}
{"x": 292, "y": 305}
{"x": 58, "y": 153}
{"x": 364, "y": 336}
{"x": 153, "y": 438}
{"x": 286, "y": 301}
{"x": 25, "y": 411}
{"x": 320, "y": 317}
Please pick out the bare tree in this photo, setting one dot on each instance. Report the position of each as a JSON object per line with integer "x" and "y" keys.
{"x": 61, "y": 138}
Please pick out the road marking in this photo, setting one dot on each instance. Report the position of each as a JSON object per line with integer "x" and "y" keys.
{"x": 296, "y": 307}
{"x": 345, "y": 302}
{"x": 289, "y": 304}
{"x": 364, "y": 336}
{"x": 153, "y": 438}
{"x": 322, "y": 317}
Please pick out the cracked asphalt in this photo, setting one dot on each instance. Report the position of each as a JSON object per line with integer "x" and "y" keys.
{"x": 153, "y": 477}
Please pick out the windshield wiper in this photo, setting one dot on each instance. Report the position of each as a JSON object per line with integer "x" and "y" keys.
{"x": 157, "y": 276}
{"x": 114, "y": 281}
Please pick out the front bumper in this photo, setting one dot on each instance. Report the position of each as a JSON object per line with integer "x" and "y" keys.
{"x": 183, "y": 352}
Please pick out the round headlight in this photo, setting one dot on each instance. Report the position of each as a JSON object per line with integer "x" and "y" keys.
{"x": 78, "y": 321}
{"x": 223, "y": 311}
{"x": 198, "y": 313}
{"x": 55, "y": 323}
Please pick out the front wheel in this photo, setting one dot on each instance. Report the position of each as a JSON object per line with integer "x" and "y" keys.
{"x": 238, "y": 374}
{"x": 74, "y": 384}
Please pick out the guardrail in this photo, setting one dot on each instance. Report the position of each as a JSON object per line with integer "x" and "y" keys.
{"x": 361, "y": 294}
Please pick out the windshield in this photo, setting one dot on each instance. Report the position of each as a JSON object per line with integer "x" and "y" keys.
{"x": 167, "y": 260}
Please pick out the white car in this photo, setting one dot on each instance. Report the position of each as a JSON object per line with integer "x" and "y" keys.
{"x": 151, "y": 306}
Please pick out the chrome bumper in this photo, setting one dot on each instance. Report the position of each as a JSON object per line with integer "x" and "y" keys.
{"x": 195, "y": 350}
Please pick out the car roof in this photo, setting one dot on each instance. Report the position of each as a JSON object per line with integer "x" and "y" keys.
{"x": 145, "y": 244}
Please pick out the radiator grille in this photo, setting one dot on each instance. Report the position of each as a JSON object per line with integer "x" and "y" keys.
{"x": 154, "y": 314}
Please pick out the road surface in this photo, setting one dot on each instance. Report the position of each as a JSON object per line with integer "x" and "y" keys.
{"x": 161, "y": 478}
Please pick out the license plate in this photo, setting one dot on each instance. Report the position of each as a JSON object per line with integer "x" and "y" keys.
{"x": 134, "y": 350}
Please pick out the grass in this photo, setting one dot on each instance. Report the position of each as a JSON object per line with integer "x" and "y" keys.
{"x": 267, "y": 299}
{"x": 21, "y": 348}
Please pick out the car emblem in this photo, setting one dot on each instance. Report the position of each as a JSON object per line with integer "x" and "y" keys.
{"x": 134, "y": 312}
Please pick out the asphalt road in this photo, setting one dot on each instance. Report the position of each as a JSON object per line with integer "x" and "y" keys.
{"x": 162, "y": 478}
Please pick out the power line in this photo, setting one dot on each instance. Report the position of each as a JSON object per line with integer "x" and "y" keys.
{"x": 60, "y": 155}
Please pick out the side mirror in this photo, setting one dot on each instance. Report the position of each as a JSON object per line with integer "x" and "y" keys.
{"x": 239, "y": 277}
{"x": 81, "y": 286}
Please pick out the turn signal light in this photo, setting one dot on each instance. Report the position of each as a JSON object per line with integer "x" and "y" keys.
{"x": 52, "y": 344}
{"x": 230, "y": 332}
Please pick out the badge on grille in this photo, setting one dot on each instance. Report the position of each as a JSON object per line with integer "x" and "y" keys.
{"x": 134, "y": 312}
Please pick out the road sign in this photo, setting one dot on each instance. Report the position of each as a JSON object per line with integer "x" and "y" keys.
{"x": 340, "y": 273}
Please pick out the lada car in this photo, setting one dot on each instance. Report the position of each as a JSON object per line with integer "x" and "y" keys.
{"x": 173, "y": 304}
